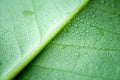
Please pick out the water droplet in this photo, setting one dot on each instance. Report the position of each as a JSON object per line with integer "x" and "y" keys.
{"x": 66, "y": 55}
{"x": 28, "y": 12}
{"x": 36, "y": 76}
{"x": 77, "y": 19}
{"x": 85, "y": 22}
{"x": 112, "y": 5}
{"x": 83, "y": 16}
{"x": 101, "y": 32}
{"x": 56, "y": 79}
{"x": 93, "y": 16}
{"x": 77, "y": 55}
{"x": 88, "y": 14}
{"x": 62, "y": 46}
{"x": 102, "y": 1}
{"x": 83, "y": 34}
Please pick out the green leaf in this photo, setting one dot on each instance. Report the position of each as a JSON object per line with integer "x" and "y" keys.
{"x": 26, "y": 26}
{"x": 88, "y": 48}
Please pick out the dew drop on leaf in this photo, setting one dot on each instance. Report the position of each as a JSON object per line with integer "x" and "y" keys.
{"x": 77, "y": 55}
{"x": 81, "y": 20}
{"x": 28, "y": 12}
{"x": 56, "y": 79}
{"x": 102, "y": 1}
{"x": 93, "y": 16}
{"x": 101, "y": 32}
{"x": 36, "y": 76}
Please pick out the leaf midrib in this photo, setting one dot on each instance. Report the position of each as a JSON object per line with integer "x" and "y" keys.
{"x": 26, "y": 60}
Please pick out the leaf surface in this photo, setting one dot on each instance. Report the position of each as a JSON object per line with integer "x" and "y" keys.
{"x": 88, "y": 48}
{"x": 26, "y": 26}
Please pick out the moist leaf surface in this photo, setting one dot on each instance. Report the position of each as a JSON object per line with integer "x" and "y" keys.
{"x": 88, "y": 48}
{"x": 26, "y": 26}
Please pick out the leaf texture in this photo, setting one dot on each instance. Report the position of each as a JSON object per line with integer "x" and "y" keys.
{"x": 88, "y": 48}
{"x": 26, "y": 26}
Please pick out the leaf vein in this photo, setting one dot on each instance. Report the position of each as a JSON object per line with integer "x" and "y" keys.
{"x": 36, "y": 19}
{"x": 14, "y": 32}
{"x": 87, "y": 47}
{"x": 68, "y": 71}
